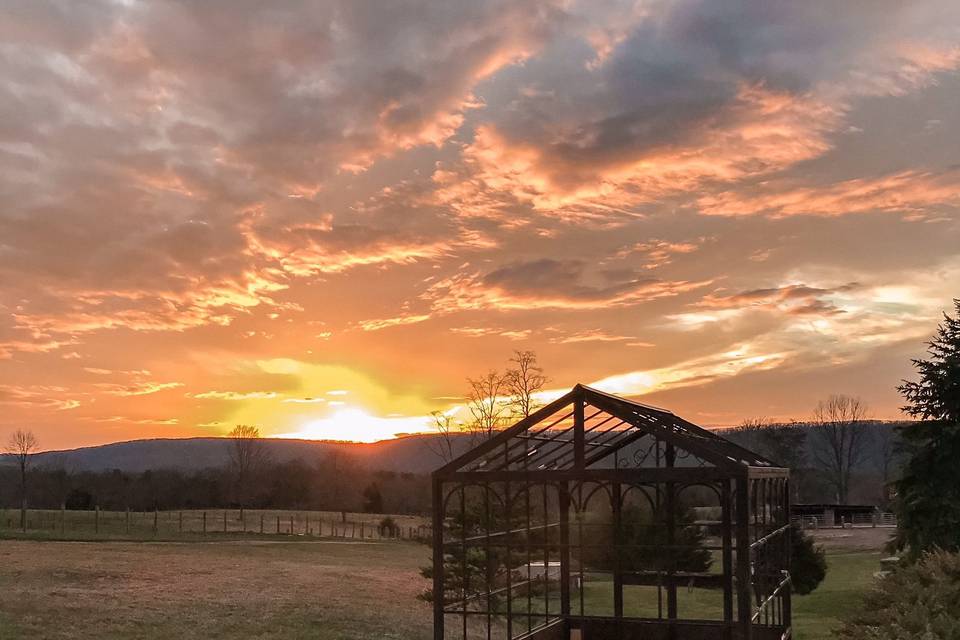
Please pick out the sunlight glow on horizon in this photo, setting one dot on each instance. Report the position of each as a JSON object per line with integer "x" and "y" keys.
{"x": 356, "y": 425}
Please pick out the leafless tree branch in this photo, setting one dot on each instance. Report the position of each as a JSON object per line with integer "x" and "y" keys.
{"x": 523, "y": 380}
{"x": 23, "y": 445}
{"x": 839, "y": 439}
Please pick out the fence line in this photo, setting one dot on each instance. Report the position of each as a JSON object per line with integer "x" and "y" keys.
{"x": 859, "y": 520}
{"x": 141, "y": 524}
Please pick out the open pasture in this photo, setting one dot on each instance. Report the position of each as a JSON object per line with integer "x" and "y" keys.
{"x": 229, "y": 590}
{"x": 276, "y": 588}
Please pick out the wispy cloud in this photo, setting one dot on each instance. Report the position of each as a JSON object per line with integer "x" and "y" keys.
{"x": 917, "y": 194}
{"x": 548, "y": 283}
{"x": 144, "y": 388}
{"x": 235, "y": 395}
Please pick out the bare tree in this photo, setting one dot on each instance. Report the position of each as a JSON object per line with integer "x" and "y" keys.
{"x": 523, "y": 381}
{"x": 22, "y": 445}
{"x": 748, "y": 431}
{"x": 247, "y": 455}
{"x": 885, "y": 462}
{"x": 485, "y": 404}
{"x": 442, "y": 444}
{"x": 839, "y": 439}
{"x": 783, "y": 443}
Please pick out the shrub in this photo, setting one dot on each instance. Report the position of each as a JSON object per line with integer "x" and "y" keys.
{"x": 389, "y": 527}
{"x": 920, "y": 601}
{"x": 808, "y": 563}
{"x": 372, "y": 500}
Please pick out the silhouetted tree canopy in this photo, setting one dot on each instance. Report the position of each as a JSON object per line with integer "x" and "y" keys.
{"x": 372, "y": 500}
{"x": 928, "y": 492}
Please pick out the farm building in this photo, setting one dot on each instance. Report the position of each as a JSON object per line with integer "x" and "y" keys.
{"x": 832, "y": 515}
{"x": 585, "y": 521}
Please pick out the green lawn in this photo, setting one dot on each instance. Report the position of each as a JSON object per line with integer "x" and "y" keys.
{"x": 849, "y": 575}
{"x": 815, "y": 616}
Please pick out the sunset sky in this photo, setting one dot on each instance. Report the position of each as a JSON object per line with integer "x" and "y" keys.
{"x": 321, "y": 217}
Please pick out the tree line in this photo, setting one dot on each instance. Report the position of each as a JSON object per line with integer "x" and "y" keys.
{"x": 837, "y": 455}
{"x": 250, "y": 479}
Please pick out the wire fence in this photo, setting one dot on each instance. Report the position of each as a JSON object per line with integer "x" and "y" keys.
{"x": 858, "y": 520}
{"x": 214, "y": 522}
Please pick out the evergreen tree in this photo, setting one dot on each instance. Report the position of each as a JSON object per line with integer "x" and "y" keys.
{"x": 644, "y": 544}
{"x": 472, "y": 571}
{"x": 928, "y": 492}
{"x": 808, "y": 562}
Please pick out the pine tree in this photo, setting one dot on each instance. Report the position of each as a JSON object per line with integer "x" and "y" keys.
{"x": 470, "y": 572}
{"x": 644, "y": 544}
{"x": 928, "y": 492}
{"x": 808, "y": 562}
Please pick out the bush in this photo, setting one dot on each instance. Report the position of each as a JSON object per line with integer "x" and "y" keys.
{"x": 389, "y": 528}
{"x": 808, "y": 563}
{"x": 919, "y": 601}
{"x": 372, "y": 500}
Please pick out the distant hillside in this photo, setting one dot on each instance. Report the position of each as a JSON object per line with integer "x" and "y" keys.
{"x": 413, "y": 454}
{"x": 408, "y": 454}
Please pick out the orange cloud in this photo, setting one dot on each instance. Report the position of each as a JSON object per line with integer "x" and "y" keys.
{"x": 33, "y": 397}
{"x": 145, "y": 388}
{"x": 234, "y": 395}
{"x": 384, "y": 323}
{"x": 761, "y": 131}
{"x": 916, "y": 193}
{"x": 659, "y": 253}
{"x": 465, "y": 292}
{"x": 481, "y": 332}
{"x": 796, "y": 299}
{"x": 599, "y": 335}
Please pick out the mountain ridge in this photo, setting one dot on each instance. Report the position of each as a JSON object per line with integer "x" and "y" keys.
{"x": 411, "y": 453}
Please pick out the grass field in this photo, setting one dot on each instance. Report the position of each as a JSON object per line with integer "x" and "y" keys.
{"x": 228, "y": 590}
{"x": 850, "y": 574}
{"x": 284, "y": 588}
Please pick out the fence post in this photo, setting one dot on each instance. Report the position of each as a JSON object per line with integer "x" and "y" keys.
{"x": 180, "y": 525}
{"x": 204, "y": 523}
{"x": 278, "y": 525}
{"x": 156, "y": 514}
{"x": 261, "y": 524}
{"x": 96, "y": 519}
{"x": 291, "y": 525}
{"x": 361, "y": 529}
{"x": 63, "y": 517}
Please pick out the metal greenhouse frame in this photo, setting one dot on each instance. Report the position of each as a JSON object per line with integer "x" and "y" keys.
{"x": 599, "y": 517}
